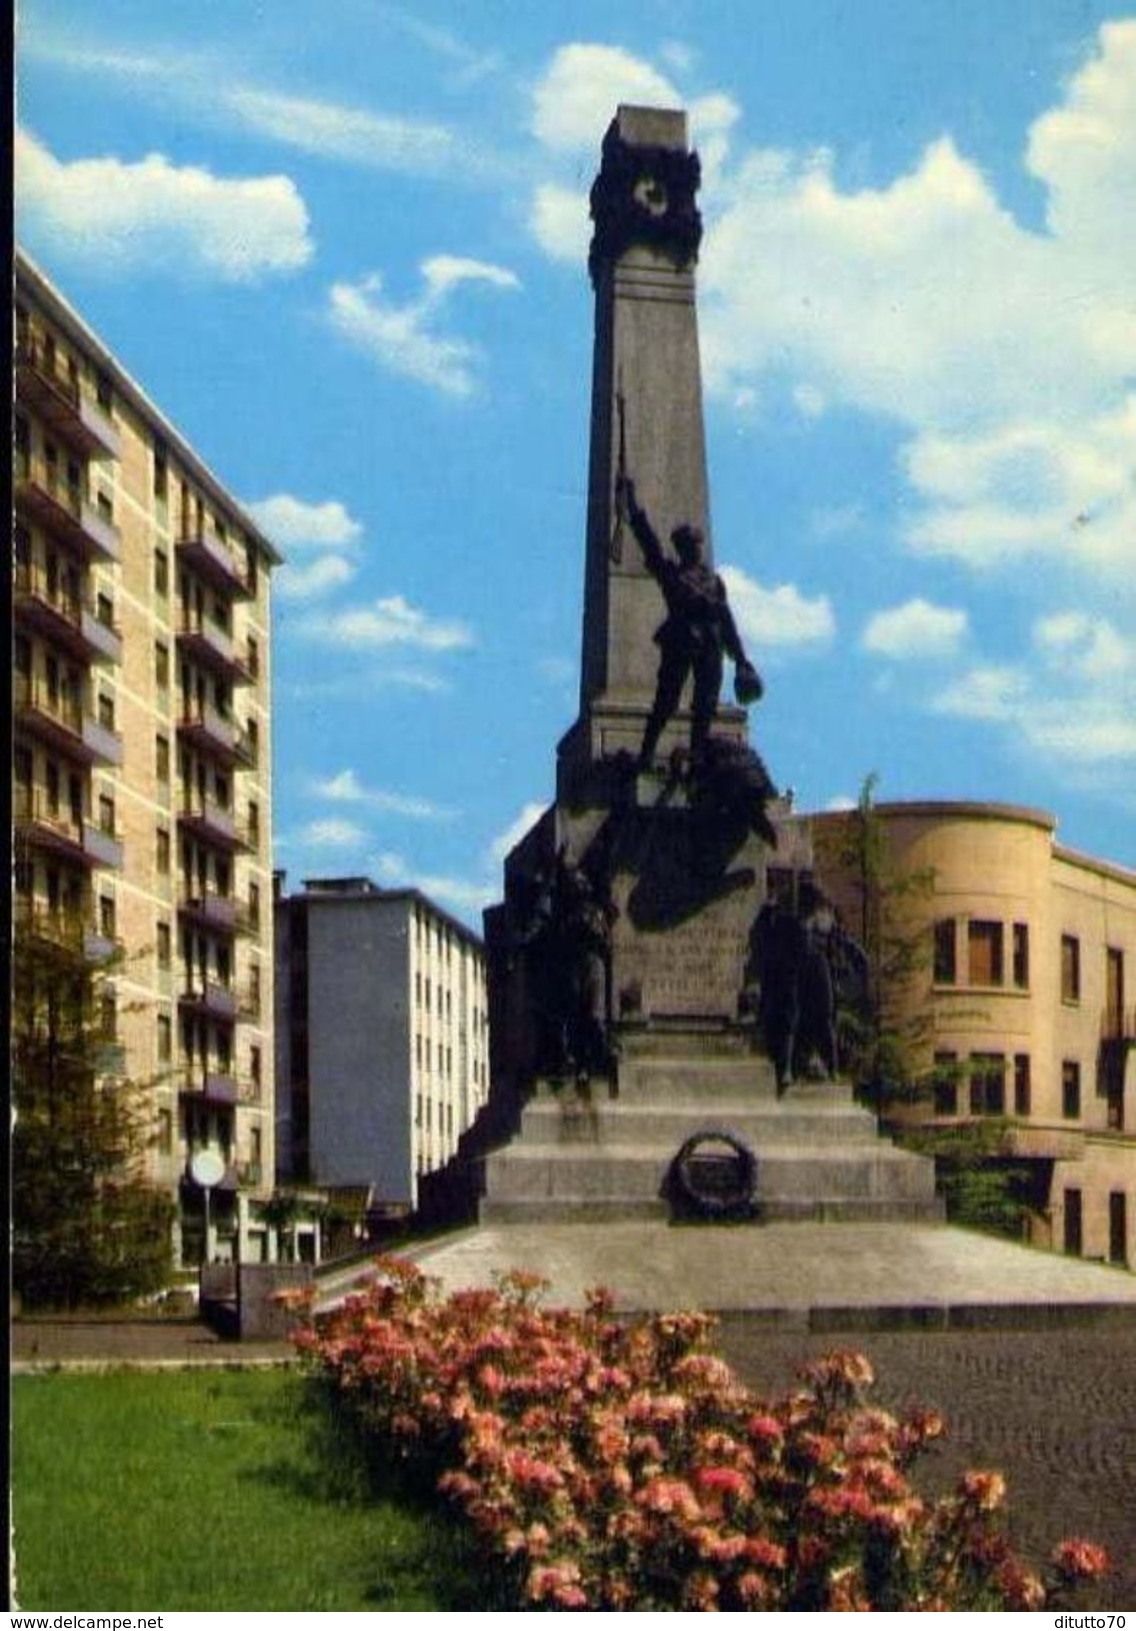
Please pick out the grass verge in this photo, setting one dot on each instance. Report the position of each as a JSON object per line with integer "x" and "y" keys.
{"x": 213, "y": 1490}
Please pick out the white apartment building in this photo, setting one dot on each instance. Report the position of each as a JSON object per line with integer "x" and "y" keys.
{"x": 382, "y": 1043}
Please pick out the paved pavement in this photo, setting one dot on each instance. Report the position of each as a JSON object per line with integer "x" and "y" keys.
{"x": 1052, "y": 1409}
{"x": 795, "y": 1274}
{"x": 1030, "y": 1357}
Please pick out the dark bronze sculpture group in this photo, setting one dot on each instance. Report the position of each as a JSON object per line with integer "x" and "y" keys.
{"x": 800, "y": 960}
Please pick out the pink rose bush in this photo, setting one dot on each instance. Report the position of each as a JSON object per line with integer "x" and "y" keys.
{"x": 609, "y": 1465}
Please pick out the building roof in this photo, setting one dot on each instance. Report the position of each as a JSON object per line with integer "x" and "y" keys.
{"x": 353, "y": 890}
{"x": 40, "y": 288}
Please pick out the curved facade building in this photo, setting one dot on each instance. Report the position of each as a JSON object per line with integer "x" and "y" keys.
{"x": 1026, "y": 990}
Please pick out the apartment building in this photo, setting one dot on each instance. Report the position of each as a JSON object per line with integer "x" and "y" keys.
{"x": 141, "y": 762}
{"x": 1028, "y": 982}
{"x": 382, "y": 1042}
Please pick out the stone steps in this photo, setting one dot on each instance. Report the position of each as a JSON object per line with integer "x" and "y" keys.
{"x": 593, "y": 1154}
{"x": 669, "y": 1124}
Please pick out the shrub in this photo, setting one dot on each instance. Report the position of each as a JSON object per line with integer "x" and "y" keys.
{"x": 612, "y": 1465}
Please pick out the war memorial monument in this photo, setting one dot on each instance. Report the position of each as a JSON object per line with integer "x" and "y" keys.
{"x": 661, "y": 970}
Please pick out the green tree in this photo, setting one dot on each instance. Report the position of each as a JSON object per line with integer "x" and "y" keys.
{"x": 884, "y": 1037}
{"x": 86, "y": 1226}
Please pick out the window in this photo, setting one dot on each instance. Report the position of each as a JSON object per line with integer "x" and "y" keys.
{"x": 165, "y": 1132}
{"x": 162, "y": 851}
{"x": 946, "y": 1084}
{"x": 106, "y": 916}
{"x": 106, "y": 711}
{"x": 255, "y": 1067}
{"x": 984, "y": 949}
{"x": 106, "y": 813}
{"x": 253, "y": 658}
{"x": 1073, "y": 1222}
{"x": 1117, "y": 1226}
{"x": 161, "y": 472}
{"x": 104, "y": 610}
{"x": 945, "y": 961}
{"x": 162, "y": 758}
{"x": 254, "y": 824}
{"x": 164, "y": 945}
{"x": 161, "y": 573}
{"x": 162, "y": 666}
{"x": 104, "y": 393}
{"x": 1021, "y": 956}
{"x": 1021, "y": 1084}
{"x": 987, "y": 1084}
{"x": 254, "y": 905}
{"x": 1071, "y": 1089}
{"x": 1070, "y": 968}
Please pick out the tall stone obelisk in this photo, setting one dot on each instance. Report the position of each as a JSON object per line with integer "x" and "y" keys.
{"x": 646, "y": 423}
{"x": 622, "y": 1030}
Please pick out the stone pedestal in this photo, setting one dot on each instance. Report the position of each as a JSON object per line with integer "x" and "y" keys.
{"x": 603, "y": 1154}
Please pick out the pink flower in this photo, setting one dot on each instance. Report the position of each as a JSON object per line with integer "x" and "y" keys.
{"x": 558, "y": 1583}
{"x": 1080, "y": 1560}
{"x": 984, "y": 1490}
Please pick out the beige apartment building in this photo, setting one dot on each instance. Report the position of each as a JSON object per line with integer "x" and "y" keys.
{"x": 1030, "y": 987}
{"x": 142, "y": 754}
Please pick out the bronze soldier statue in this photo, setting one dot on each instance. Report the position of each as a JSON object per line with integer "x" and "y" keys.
{"x": 698, "y": 630}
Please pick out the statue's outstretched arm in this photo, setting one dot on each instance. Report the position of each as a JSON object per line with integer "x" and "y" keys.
{"x": 642, "y": 528}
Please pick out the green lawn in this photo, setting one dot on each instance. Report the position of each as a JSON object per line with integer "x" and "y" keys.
{"x": 210, "y": 1490}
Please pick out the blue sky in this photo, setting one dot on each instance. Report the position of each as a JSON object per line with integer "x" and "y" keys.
{"x": 343, "y": 248}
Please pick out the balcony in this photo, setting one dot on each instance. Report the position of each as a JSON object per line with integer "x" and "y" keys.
{"x": 66, "y": 621}
{"x": 46, "y": 827}
{"x": 101, "y": 846}
{"x": 209, "y": 732}
{"x": 60, "y": 402}
{"x": 64, "y": 931}
{"x": 213, "y": 823}
{"x": 210, "y": 999}
{"x": 64, "y": 510}
{"x": 215, "y": 1084}
{"x": 59, "y": 719}
{"x": 216, "y": 913}
{"x": 212, "y": 646}
{"x": 211, "y": 558}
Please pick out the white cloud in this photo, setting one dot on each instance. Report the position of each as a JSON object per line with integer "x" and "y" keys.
{"x": 333, "y": 131}
{"x": 989, "y": 691}
{"x": 330, "y": 833}
{"x": 390, "y": 621}
{"x": 346, "y": 788}
{"x": 1006, "y": 355}
{"x": 515, "y": 831}
{"x": 444, "y": 272}
{"x": 405, "y": 339}
{"x": 915, "y": 629}
{"x": 776, "y": 617}
{"x": 1091, "y": 648}
{"x": 295, "y": 524}
{"x": 156, "y": 215}
{"x": 560, "y": 222}
{"x": 466, "y": 897}
{"x": 574, "y": 101}
{"x": 318, "y": 577}
{"x": 202, "y": 84}
{"x": 835, "y": 522}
